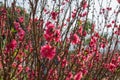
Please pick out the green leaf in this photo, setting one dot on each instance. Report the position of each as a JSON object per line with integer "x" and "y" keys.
{"x": 15, "y": 52}
{"x": 13, "y": 30}
{"x": 88, "y": 26}
{"x": 79, "y": 22}
{"x": 56, "y": 9}
{"x": 87, "y": 41}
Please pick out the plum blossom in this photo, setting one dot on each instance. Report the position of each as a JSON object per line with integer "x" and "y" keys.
{"x": 14, "y": 65}
{"x": 85, "y": 5}
{"x": 50, "y": 29}
{"x": 111, "y": 67}
{"x": 51, "y": 33}
{"x": 57, "y": 35}
{"x": 54, "y": 15}
{"x": 16, "y": 25}
{"x": 21, "y": 33}
{"x": 80, "y": 30}
{"x": 47, "y": 51}
{"x": 21, "y": 19}
{"x": 78, "y": 76}
{"x": 73, "y": 14}
{"x": 74, "y": 39}
{"x": 64, "y": 63}
{"x": 69, "y": 76}
{"x": 11, "y": 46}
{"x": 20, "y": 69}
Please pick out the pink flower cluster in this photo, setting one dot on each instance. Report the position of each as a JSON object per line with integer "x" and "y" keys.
{"x": 20, "y": 31}
{"x": 54, "y": 15}
{"x": 51, "y": 33}
{"x": 47, "y": 51}
{"x": 74, "y": 39}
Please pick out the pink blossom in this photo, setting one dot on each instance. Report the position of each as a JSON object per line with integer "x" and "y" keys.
{"x": 12, "y": 45}
{"x": 51, "y": 33}
{"x": 68, "y": 19}
{"x": 64, "y": 63}
{"x": 21, "y": 19}
{"x": 109, "y": 25}
{"x": 16, "y": 25}
{"x": 85, "y": 5}
{"x": 78, "y": 76}
{"x": 69, "y": 76}
{"x": 63, "y": 3}
{"x": 93, "y": 40}
{"x": 109, "y": 8}
{"x": 54, "y": 15}
{"x": 57, "y": 35}
{"x": 47, "y": 37}
{"x": 51, "y": 71}
{"x": 67, "y": 0}
{"x": 118, "y": 1}
{"x": 21, "y": 34}
{"x": 27, "y": 69}
{"x": 118, "y": 59}
{"x": 102, "y": 45}
{"x": 84, "y": 14}
{"x": 18, "y": 10}
{"x": 28, "y": 28}
{"x": 48, "y": 51}
{"x": 1, "y": 65}
{"x": 50, "y": 29}
{"x": 45, "y": 10}
{"x": 73, "y": 14}
{"x": 48, "y": 23}
{"x": 20, "y": 68}
{"x": 84, "y": 33}
{"x": 75, "y": 39}
{"x": 14, "y": 65}
{"x": 111, "y": 67}
{"x": 80, "y": 30}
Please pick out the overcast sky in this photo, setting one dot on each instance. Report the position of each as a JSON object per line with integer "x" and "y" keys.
{"x": 113, "y": 5}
